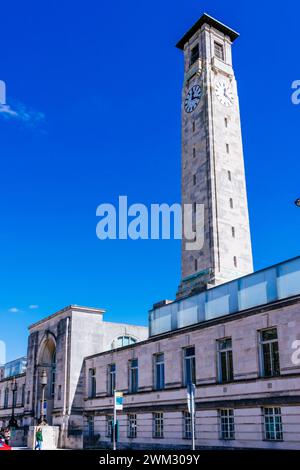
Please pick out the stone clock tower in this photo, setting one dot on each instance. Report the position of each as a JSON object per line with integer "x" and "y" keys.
{"x": 212, "y": 159}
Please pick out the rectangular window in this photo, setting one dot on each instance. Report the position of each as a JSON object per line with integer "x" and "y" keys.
{"x": 187, "y": 425}
{"x": 227, "y": 148}
{"x": 194, "y": 126}
{"x": 90, "y": 424}
{"x": 134, "y": 375}
{"x": 111, "y": 379}
{"x": 269, "y": 353}
{"x": 226, "y": 420}
{"x": 109, "y": 425}
{"x": 235, "y": 261}
{"x": 92, "y": 383}
{"x": 226, "y": 122}
{"x": 229, "y": 175}
{"x": 272, "y": 424}
{"x": 196, "y": 265}
{"x": 23, "y": 395}
{"x": 132, "y": 426}
{"x": 219, "y": 51}
{"x": 233, "y": 232}
{"x": 225, "y": 364}
{"x": 194, "y": 152}
{"x": 189, "y": 365}
{"x": 159, "y": 371}
{"x": 15, "y": 395}
{"x": 194, "y": 180}
{"x": 158, "y": 425}
{"x": 194, "y": 54}
{"x": 6, "y": 395}
{"x": 231, "y": 203}
{"x": 28, "y": 398}
{"x": 59, "y": 393}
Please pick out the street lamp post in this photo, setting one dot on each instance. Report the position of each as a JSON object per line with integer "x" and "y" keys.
{"x": 14, "y": 388}
{"x": 43, "y": 384}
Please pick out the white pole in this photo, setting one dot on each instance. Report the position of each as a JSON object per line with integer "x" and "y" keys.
{"x": 115, "y": 423}
{"x": 193, "y": 429}
{"x": 193, "y": 389}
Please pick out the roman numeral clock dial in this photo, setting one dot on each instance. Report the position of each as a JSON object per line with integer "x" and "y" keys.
{"x": 192, "y": 98}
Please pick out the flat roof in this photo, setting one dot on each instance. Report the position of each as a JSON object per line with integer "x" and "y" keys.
{"x": 207, "y": 19}
{"x": 276, "y": 304}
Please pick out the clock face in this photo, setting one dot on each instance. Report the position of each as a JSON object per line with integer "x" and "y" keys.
{"x": 192, "y": 98}
{"x": 224, "y": 93}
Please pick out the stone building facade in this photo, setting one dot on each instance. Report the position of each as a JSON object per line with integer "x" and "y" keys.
{"x": 234, "y": 334}
{"x": 58, "y": 344}
{"x": 247, "y": 385}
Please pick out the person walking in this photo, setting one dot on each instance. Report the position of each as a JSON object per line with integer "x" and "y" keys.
{"x": 7, "y": 436}
{"x": 38, "y": 439}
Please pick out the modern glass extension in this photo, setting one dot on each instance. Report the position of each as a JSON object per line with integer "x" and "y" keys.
{"x": 260, "y": 288}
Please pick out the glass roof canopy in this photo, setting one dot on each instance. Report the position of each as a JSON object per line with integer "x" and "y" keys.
{"x": 260, "y": 288}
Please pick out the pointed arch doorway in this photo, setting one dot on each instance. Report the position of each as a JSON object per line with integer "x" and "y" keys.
{"x": 46, "y": 362}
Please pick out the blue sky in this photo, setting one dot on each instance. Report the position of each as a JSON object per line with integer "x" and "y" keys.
{"x": 97, "y": 86}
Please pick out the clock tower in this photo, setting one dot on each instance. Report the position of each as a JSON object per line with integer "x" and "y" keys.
{"x": 213, "y": 174}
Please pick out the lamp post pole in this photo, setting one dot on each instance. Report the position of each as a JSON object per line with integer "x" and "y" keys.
{"x": 14, "y": 388}
{"x": 43, "y": 384}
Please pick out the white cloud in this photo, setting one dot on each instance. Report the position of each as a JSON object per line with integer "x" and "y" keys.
{"x": 6, "y": 111}
{"x": 21, "y": 113}
{"x": 33, "y": 306}
{"x": 13, "y": 310}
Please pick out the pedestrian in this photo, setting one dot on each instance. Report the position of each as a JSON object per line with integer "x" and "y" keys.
{"x": 6, "y": 436}
{"x": 38, "y": 439}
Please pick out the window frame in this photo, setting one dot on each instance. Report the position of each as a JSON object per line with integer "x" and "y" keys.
{"x": 15, "y": 397}
{"x": 109, "y": 420}
{"x": 225, "y": 421}
{"x": 187, "y": 432}
{"x": 91, "y": 426}
{"x": 112, "y": 378}
{"x": 23, "y": 395}
{"x": 228, "y": 360}
{"x": 221, "y": 48}
{"x": 92, "y": 383}
{"x": 190, "y": 360}
{"x": 159, "y": 364}
{"x": 194, "y": 54}
{"x": 273, "y": 416}
{"x": 6, "y": 398}
{"x": 132, "y": 425}
{"x": 122, "y": 341}
{"x": 158, "y": 425}
{"x": 271, "y": 342}
{"x": 133, "y": 376}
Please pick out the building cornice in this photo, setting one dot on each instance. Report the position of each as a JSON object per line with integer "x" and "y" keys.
{"x": 69, "y": 308}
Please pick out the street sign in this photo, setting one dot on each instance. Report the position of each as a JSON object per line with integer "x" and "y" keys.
{"x": 118, "y": 401}
{"x": 118, "y": 406}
